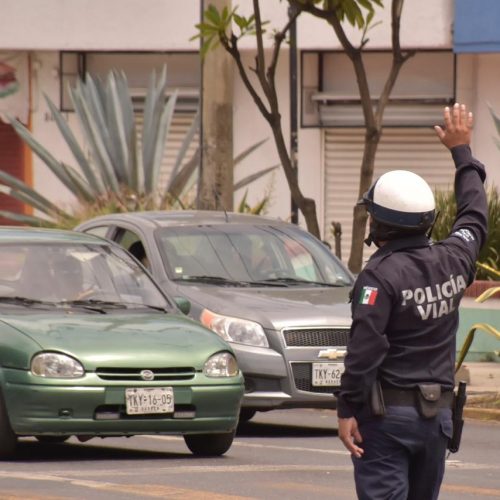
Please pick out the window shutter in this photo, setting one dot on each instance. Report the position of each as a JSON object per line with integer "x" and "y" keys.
{"x": 415, "y": 149}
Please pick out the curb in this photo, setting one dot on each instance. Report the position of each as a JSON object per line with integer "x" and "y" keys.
{"x": 482, "y": 414}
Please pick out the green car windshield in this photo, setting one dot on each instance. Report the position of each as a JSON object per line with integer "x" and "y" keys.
{"x": 249, "y": 254}
{"x": 56, "y": 272}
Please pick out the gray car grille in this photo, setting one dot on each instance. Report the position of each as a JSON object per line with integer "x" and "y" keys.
{"x": 183, "y": 373}
{"x": 316, "y": 337}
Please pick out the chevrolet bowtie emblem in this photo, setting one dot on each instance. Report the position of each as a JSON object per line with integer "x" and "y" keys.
{"x": 332, "y": 353}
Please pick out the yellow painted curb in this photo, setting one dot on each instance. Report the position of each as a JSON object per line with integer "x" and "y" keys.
{"x": 482, "y": 413}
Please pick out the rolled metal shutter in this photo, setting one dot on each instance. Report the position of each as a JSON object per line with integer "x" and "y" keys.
{"x": 415, "y": 149}
{"x": 181, "y": 122}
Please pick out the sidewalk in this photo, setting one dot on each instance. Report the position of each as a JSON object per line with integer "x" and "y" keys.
{"x": 481, "y": 377}
{"x": 483, "y": 385}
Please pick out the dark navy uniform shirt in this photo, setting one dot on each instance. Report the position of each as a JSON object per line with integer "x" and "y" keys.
{"x": 405, "y": 300}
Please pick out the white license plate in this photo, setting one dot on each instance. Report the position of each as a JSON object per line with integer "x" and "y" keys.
{"x": 149, "y": 400}
{"x": 327, "y": 374}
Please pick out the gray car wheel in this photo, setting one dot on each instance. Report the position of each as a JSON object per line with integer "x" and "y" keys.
{"x": 209, "y": 444}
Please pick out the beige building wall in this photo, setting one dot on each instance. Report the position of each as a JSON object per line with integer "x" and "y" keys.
{"x": 136, "y": 25}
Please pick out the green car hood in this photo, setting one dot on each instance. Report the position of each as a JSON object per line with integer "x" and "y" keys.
{"x": 119, "y": 340}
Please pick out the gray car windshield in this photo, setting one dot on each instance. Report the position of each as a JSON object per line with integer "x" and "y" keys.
{"x": 239, "y": 254}
{"x": 65, "y": 273}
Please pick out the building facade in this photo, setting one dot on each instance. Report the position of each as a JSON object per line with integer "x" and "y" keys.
{"x": 46, "y": 44}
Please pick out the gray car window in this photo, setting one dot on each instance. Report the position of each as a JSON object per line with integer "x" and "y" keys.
{"x": 247, "y": 253}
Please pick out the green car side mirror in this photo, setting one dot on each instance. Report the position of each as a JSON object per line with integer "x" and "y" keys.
{"x": 183, "y": 304}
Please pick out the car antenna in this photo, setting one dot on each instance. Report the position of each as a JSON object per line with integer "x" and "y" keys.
{"x": 219, "y": 202}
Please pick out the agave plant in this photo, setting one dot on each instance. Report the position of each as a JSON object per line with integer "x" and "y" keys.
{"x": 121, "y": 172}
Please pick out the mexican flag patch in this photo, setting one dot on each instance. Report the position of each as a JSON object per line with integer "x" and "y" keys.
{"x": 368, "y": 295}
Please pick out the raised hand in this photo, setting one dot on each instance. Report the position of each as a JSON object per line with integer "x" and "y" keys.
{"x": 458, "y": 125}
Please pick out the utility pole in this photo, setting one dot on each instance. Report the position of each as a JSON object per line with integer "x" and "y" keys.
{"x": 216, "y": 176}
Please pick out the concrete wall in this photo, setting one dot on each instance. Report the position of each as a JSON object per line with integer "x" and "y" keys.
{"x": 168, "y": 24}
{"x": 484, "y": 347}
{"x": 98, "y": 24}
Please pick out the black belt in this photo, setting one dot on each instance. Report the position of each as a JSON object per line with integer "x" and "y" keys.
{"x": 408, "y": 397}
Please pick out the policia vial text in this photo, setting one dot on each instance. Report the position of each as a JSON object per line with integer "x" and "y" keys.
{"x": 434, "y": 301}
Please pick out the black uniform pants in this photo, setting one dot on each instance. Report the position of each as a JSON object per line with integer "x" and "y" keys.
{"x": 404, "y": 455}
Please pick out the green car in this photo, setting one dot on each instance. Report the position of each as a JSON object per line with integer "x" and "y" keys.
{"x": 90, "y": 347}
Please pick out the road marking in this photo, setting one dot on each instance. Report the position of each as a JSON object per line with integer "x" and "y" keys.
{"x": 152, "y": 490}
{"x": 457, "y": 488}
{"x": 458, "y": 464}
{"x": 268, "y": 446}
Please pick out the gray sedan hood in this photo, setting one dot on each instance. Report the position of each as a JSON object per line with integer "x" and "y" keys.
{"x": 276, "y": 307}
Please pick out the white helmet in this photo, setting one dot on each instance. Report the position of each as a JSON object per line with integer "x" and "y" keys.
{"x": 401, "y": 200}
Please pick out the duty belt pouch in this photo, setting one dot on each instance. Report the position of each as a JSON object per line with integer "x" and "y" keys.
{"x": 377, "y": 400}
{"x": 428, "y": 397}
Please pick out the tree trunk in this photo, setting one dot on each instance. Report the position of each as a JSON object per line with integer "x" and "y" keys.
{"x": 307, "y": 206}
{"x": 216, "y": 191}
{"x": 360, "y": 216}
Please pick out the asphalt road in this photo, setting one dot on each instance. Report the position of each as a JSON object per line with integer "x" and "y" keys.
{"x": 278, "y": 455}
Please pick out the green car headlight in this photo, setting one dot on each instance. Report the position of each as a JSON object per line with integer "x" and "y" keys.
{"x": 237, "y": 330}
{"x": 222, "y": 364}
{"x": 55, "y": 365}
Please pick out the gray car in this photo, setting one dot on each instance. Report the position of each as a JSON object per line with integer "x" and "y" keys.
{"x": 271, "y": 289}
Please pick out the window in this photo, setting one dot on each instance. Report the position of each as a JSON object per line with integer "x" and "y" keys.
{"x": 183, "y": 73}
{"x": 330, "y": 96}
{"x": 98, "y": 231}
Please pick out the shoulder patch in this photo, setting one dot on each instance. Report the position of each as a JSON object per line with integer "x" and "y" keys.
{"x": 465, "y": 234}
{"x": 368, "y": 295}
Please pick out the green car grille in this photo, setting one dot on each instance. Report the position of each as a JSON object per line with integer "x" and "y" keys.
{"x": 182, "y": 373}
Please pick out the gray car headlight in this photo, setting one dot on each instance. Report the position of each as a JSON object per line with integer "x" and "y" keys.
{"x": 237, "y": 330}
{"x": 55, "y": 365}
{"x": 222, "y": 364}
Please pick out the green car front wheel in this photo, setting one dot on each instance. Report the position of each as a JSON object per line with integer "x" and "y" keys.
{"x": 209, "y": 444}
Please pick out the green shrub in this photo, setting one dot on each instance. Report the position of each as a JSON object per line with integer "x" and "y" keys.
{"x": 490, "y": 254}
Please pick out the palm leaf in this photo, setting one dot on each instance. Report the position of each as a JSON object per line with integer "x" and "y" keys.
{"x": 181, "y": 180}
{"x": 21, "y": 191}
{"x": 184, "y": 147}
{"x": 31, "y": 220}
{"x": 153, "y": 113}
{"x": 117, "y": 145}
{"x": 76, "y": 150}
{"x": 95, "y": 135}
{"x": 253, "y": 177}
{"x": 44, "y": 155}
{"x": 238, "y": 159}
{"x": 159, "y": 144}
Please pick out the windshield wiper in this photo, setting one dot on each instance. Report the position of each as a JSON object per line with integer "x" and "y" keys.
{"x": 298, "y": 281}
{"x": 24, "y": 301}
{"x": 214, "y": 279}
{"x": 94, "y": 304}
{"x": 100, "y": 305}
{"x": 138, "y": 305}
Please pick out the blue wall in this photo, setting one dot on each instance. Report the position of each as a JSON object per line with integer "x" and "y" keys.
{"x": 477, "y": 26}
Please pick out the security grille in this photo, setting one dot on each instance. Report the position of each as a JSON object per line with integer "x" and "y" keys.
{"x": 415, "y": 149}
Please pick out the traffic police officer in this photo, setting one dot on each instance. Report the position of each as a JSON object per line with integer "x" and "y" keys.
{"x": 396, "y": 392}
